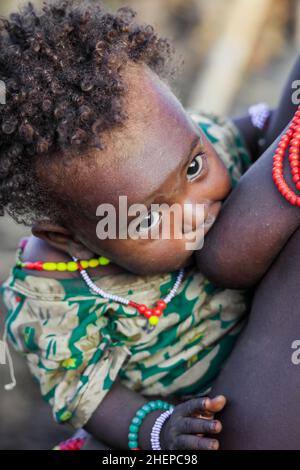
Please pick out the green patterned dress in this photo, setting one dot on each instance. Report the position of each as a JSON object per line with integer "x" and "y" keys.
{"x": 77, "y": 344}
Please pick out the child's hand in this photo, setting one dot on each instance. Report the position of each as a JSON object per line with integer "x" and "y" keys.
{"x": 190, "y": 421}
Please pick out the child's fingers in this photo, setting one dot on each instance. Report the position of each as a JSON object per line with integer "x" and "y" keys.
{"x": 197, "y": 406}
{"x": 214, "y": 405}
{"x": 199, "y": 426}
{"x": 188, "y": 442}
{"x": 190, "y": 407}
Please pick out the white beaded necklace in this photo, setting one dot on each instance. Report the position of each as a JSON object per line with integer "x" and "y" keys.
{"x": 151, "y": 314}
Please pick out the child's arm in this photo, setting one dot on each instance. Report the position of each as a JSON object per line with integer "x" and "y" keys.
{"x": 110, "y": 422}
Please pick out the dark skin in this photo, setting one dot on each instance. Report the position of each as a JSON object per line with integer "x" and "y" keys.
{"x": 264, "y": 226}
{"x": 263, "y": 220}
{"x": 182, "y": 431}
{"x": 148, "y": 161}
{"x": 260, "y": 369}
{"x": 262, "y": 355}
{"x": 256, "y": 222}
{"x": 166, "y": 130}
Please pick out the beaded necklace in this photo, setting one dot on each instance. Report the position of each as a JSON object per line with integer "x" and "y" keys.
{"x": 151, "y": 314}
{"x": 70, "y": 266}
{"x": 290, "y": 138}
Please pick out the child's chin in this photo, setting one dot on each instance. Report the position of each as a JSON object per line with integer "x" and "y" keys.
{"x": 188, "y": 262}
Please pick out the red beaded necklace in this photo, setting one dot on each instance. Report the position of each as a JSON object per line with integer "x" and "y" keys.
{"x": 292, "y": 139}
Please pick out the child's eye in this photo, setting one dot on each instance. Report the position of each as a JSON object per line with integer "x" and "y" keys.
{"x": 195, "y": 167}
{"x": 151, "y": 219}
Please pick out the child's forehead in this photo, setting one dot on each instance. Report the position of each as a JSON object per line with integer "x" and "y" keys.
{"x": 142, "y": 171}
{"x": 139, "y": 158}
{"x": 139, "y": 162}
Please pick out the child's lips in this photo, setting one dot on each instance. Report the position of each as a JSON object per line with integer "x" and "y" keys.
{"x": 197, "y": 235}
{"x": 212, "y": 215}
{"x": 213, "y": 212}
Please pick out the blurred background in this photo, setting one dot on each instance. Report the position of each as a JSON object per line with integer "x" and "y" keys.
{"x": 235, "y": 53}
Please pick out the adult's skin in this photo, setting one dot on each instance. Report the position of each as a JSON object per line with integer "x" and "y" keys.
{"x": 259, "y": 380}
{"x": 260, "y": 369}
{"x": 255, "y": 222}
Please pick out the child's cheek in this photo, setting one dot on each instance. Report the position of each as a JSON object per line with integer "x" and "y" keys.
{"x": 218, "y": 174}
{"x": 226, "y": 182}
{"x": 221, "y": 177}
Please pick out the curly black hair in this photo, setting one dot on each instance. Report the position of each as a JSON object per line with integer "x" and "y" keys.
{"x": 61, "y": 66}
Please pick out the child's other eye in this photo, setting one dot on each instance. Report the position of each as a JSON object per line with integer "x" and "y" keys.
{"x": 195, "y": 167}
{"x": 151, "y": 219}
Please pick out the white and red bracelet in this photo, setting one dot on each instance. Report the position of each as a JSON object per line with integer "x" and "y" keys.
{"x": 156, "y": 430}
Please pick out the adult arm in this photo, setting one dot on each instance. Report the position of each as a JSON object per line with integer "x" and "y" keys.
{"x": 261, "y": 377}
{"x": 254, "y": 225}
{"x": 256, "y": 221}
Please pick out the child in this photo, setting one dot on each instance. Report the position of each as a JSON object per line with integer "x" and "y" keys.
{"x": 88, "y": 119}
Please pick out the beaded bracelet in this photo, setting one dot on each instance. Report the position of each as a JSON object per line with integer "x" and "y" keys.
{"x": 260, "y": 115}
{"x": 140, "y": 416}
{"x": 156, "y": 430}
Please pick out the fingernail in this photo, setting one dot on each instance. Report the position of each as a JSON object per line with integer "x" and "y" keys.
{"x": 206, "y": 402}
{"x": 214, "y": 445}
{"x": 216, "y": 426}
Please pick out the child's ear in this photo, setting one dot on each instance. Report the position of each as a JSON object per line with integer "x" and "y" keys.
{"x": 60, "y": 238}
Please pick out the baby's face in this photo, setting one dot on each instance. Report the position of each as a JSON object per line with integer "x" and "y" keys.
{"x": 161, "y": 157}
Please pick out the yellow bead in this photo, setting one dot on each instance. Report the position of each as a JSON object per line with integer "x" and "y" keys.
{"x": 66, "y": 416}
{"x": 104, "y": 261}
{"x": 61, "y": 266}
{"x": 84, "y": 264}
{"x": 49, "y": 266}
{"x": 153, "y": 320}
{"x": 93, "y": 263}
{"x": 72, "y": 266}
{"x": 69, "y": 363}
